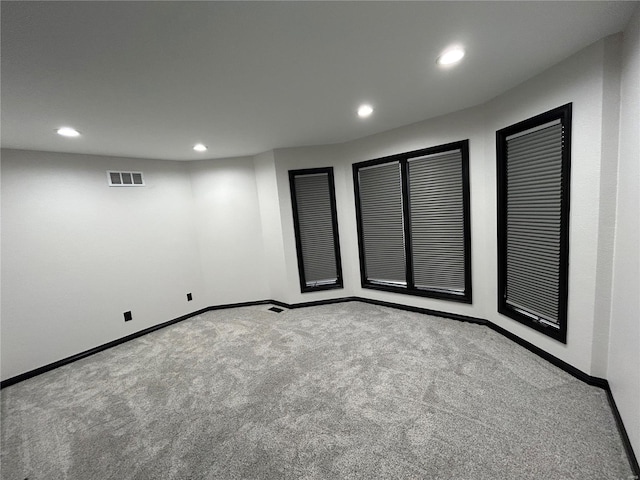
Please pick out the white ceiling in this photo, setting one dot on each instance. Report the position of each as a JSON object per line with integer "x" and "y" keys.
{"x": 150, "y": 79}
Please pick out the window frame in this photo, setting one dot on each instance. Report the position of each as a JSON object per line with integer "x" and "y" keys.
{"x": 403, "y": 159}
{"x": 304, "y": 288}
{"x": 564, "y": 114}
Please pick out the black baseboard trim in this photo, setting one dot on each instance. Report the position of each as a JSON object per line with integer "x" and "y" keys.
{"x": 87, "y": 353}
{"x": 577, "y": 373}
{"x": 316, "y": 303}
{"x": 426, "y": 311}
{"x": 570, "y": 369}
{"x": 381, "y": 303}
{"x": 631, "y": 456}
{"x": 229, "y": 305}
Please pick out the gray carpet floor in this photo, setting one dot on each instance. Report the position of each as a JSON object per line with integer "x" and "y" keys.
{"x": 344, "y": 391}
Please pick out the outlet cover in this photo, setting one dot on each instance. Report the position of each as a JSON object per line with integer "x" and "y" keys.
{"x": 189, "y": 297}
{"x": 127, "y": 316}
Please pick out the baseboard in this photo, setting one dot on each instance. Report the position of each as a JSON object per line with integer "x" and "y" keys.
{"x": 426, "y": 311}
{"x": 577, "y": 373}
{"x": 231, "y": 305}
{"x": 588, "y": 379}
{"x": 314, "y": 303}
{"x": 633, "y": 460}
{"x": 87, "y": 353}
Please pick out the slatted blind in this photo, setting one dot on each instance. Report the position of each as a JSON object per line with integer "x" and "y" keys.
{"x": 437, "y": 221}
{"x": 533, "y": 221}
{"x": 315, "y": 221}
{"x": 380, "y": 188}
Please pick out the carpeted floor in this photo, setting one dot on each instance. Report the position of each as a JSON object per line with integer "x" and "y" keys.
{"x": 344, "y": 391}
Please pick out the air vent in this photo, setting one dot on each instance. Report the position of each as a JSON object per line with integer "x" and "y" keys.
{"x": 125, "y": 179}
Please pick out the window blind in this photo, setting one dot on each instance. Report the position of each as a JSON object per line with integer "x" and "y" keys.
{"x": 534, "y": 176}
{"x": 316, "y": 228}
{"x": 437, "y": 221}
{"x": 381, "y": 213}
{"x": 413, "y": 222}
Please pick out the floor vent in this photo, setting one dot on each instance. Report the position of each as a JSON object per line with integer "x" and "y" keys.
{"x": 125, "y": 179}
{"x": 276, "y": 309}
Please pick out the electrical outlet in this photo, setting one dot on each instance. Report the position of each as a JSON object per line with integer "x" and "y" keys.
{"x": 127, "y": 316}
{"x": 189, "y": 297}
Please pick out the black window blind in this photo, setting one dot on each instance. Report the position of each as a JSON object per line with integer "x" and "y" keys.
{"x": 413, "y": 222}
{"x": 437, "y": 221}
{"x": 315, "y": 225}
{"x": 383, "y": 223}
{"x": 534, "y": 163}
{"x": 534, "y": 197}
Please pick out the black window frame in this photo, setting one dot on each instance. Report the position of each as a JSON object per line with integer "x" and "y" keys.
{"x": 564, "y": 114}
{"x": 410, "y": 288}
{"x": 304, "y": 288}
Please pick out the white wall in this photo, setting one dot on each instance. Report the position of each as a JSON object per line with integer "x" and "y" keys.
{"x": 580, "y": 80}
{"x": 223, "y": 229}
{"x": 458, "y": 126}
{"x": 77, "y": 253}
{"x": 314, "y": 157}
{"x": 228, "y": 222}
{"x": 271, "y": 222}
{"x": 607, "y": 203}
{"x": 624, "y": 346}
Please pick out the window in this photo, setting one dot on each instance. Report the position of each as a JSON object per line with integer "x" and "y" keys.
{"x": 316, "y": 228}
{"x": 533, "y": 160}
{"x": 413, "y": 222}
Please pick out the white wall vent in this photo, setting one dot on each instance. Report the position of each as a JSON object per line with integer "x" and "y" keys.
{"x": 125, "y": 179}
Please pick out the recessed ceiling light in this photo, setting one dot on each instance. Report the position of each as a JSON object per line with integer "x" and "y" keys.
{"x": 199, "y": 147}
{"x": 365, "y": 110}
{"x": 68, "y": 132}
{"x": 450, "y": 56}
